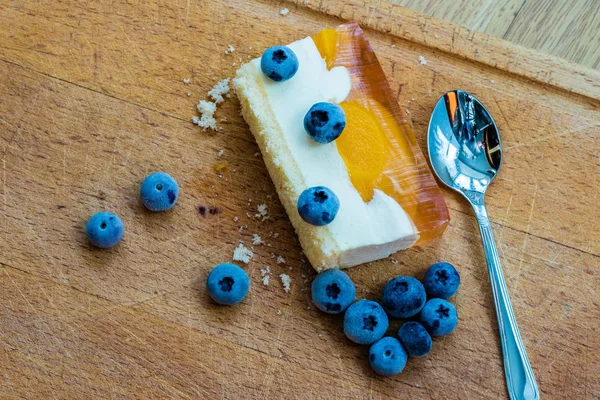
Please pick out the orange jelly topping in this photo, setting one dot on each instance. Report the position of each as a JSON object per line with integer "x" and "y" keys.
{"x": 378, "y": 146}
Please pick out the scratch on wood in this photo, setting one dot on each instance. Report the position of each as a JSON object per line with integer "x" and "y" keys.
{"x": 518, "y": 274}
{"x": 187, "y": 13}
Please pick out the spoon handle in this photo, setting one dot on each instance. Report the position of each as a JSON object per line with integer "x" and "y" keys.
{"x": 520, "y": 380}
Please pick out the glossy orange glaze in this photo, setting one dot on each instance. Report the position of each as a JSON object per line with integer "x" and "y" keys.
{"x": 378, "y": 145}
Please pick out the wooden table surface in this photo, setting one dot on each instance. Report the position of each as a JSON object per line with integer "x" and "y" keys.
{"x": 92, "y": 99}
{"x": 567, "y": 29}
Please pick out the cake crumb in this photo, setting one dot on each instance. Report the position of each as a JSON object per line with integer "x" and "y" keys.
{"x": 219, "y": 90}
{"x": 278, "y": 312}
{"x": 233, "y": 64}
{"x": 284, "y": 12}
{"x": 242, "y": 253}
{"x": 186, "y": 80}
{"x": 422, "y": 60}
{"x": 265, "y": 274}
{"x": 286, "y": 281}
{"x": 407, "y": 111}
{"x": 280, "y": 260}
{"x": 230, "y": 49}
{"x": 262, "y": 211}
{"x": 275, "y": 235}
{"x": 207, "y": 119}
{"x": 436, "y": 36}
{"x": 236, "y": 219}
{"x": 189, "y": 94}
{"x": 220, "y": 153}
{"x": 256, "y": 154}
{"x": 373, "y": 278}
{"x": 256, "y": 239}
{"x": 492, "y": 81}
{"x": 417, "y": 385}
{"x": 394, "y": 261}
{"x": 393, "y": 46}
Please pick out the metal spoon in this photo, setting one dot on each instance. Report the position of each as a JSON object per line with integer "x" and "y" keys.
{"x": 466, "y": 153}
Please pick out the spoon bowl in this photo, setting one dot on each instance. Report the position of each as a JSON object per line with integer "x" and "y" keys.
{"x": 464, "y": 144}
{"x": 466, "y": 154}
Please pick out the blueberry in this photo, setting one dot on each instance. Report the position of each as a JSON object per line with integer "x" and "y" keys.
{"x": 227, "y": 284}
{"x": 279, "y": 63}
{"x": 387, "y": 356}
{"x": 403, "y": 297}
{"x": 415, "y": 338}
{"x": 365, "y": 322}
{"x": 333, "y": 291}
{"x": 159, "y": 191}
{"x": 318, "y": 205}
{"x": 104, "y": 230}
{"x": 439, "y": 317}
{"x": 441, "y": 280}
{"x": 324, "y": 122}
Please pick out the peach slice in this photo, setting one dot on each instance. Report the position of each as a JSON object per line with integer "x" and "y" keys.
{"x": 378, "y": 145}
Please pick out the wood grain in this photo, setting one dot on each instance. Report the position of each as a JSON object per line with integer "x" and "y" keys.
{"x": 91, "y": 103}
{"x": 567, "y": 29}
{"x": 492, "y": 17}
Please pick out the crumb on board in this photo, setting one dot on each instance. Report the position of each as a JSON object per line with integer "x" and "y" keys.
{"x": 492, "y": 81}
{"x": 265, "y": 274}
{"x": 275, "y": 235}
{"x": 407, "y": 111}
{"x": 422, "y": 60}
{"x": 219, "y": 90}
{"x": 393, "y": 46}
{"x": 278, "y": 312}
{"x": 189, "y": 94}
{"x": 256, "y": 154}
{"x": 220, "y": 153}
{"x": 233, "y": 64}
{"x": 256, "y": 239}
{"x": 262, "y": 211}
{"x": 284, "y": 12}
{"x": 286, "y": 281}
{"x": 207, "y": 119}
{"x": 230, "y": 49}
{"x": 394, "y": 261}
{"x": 186, "y": 80}
{"x": 280, "y": 260}
{"x": 236, "y": 219}
{"x": 242, "y": 253}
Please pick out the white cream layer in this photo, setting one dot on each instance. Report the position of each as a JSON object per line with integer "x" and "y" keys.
{"x": 363, "y": 231}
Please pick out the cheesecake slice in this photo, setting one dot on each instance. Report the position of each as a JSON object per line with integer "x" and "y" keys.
{"x": 388, "y": 199}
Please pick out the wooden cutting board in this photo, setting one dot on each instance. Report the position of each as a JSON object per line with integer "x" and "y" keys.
{"x": 92, "y": 99}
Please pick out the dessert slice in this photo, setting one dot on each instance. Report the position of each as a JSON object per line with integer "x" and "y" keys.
{"x": 344, "y": 160}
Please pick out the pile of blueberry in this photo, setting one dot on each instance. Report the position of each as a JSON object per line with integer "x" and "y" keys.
{"x": 323, "y": 122}
{"x": 404, "y": 297}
